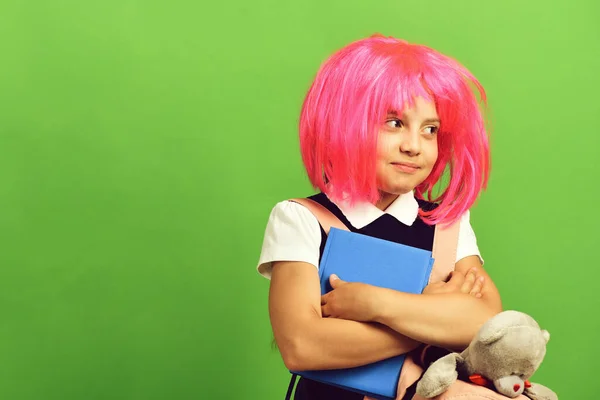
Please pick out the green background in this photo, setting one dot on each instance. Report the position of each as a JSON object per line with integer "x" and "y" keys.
{"x": 143, "y": 145}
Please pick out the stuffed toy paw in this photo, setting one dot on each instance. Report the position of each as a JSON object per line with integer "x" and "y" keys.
{"x": 438, "y": 377}
{"x": 539, "y": 392}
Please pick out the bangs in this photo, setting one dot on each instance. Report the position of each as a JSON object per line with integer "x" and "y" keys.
{"x": 402, "y": 93}
{"x": 409, "y": 75}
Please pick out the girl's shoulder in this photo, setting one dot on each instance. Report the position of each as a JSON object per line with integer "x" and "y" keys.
{"x": 292, "y": 233}
{"x": 289, "y": 216}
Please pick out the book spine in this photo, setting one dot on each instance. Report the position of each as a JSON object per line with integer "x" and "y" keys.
{"x": 428, "y": 270}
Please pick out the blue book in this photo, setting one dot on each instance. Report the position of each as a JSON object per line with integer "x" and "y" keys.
{"x": 359, "y": 258}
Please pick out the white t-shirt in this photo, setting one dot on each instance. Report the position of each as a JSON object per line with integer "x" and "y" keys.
{"x": 293, "y": 233}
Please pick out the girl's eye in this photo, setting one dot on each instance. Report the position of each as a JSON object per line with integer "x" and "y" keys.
{"x": 432, "y": 130}
{"x": 393, "y": 123}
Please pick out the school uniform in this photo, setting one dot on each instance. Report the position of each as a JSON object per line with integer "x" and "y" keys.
{"x": 294, "y": 234}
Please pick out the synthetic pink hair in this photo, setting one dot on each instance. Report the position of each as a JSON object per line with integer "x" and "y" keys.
{"x": 348, "y": 103}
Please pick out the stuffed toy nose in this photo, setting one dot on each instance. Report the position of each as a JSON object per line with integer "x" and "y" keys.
{"x": 510, "y": 386}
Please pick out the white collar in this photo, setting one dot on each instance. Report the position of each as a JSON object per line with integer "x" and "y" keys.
{"x": 405, "y": 209}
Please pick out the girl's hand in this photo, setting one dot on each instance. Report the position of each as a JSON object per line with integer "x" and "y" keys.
{"x": 470, "y": 283}
{"x": 350, "y": 300}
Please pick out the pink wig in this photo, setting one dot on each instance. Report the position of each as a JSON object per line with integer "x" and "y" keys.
{"x": 348, "y": 103}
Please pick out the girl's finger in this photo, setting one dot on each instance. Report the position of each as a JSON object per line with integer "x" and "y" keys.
{"x": 478, "y": 286}
{"x": 469, "y": 282}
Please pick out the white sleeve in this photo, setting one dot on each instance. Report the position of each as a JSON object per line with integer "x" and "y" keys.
{"x": 292, "y": 234}
{"x": 467, "y": 242}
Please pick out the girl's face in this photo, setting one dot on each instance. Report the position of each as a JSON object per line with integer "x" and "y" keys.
{"x": 406, "y": 149}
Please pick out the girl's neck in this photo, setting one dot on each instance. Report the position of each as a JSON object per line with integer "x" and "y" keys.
{"x": 385, "y": 199}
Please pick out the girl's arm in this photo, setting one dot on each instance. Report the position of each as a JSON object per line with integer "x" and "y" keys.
{"x": 307, "y": 341}
{"x": 447, "y": 319}
{"x": 442, "y": 316}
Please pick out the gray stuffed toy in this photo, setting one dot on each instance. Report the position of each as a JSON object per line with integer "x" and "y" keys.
{"x": 504, "y": 354}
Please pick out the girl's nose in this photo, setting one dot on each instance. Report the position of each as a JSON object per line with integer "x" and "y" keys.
{"x": 410, "y": 143}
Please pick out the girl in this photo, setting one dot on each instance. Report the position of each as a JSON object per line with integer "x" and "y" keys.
{"x": 381, "y": 123}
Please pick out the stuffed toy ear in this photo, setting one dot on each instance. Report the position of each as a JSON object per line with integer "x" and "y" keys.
{"x": 496, "y": 327}
{"x": 546, "y": 335}
{"x": 490, "y": 336}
